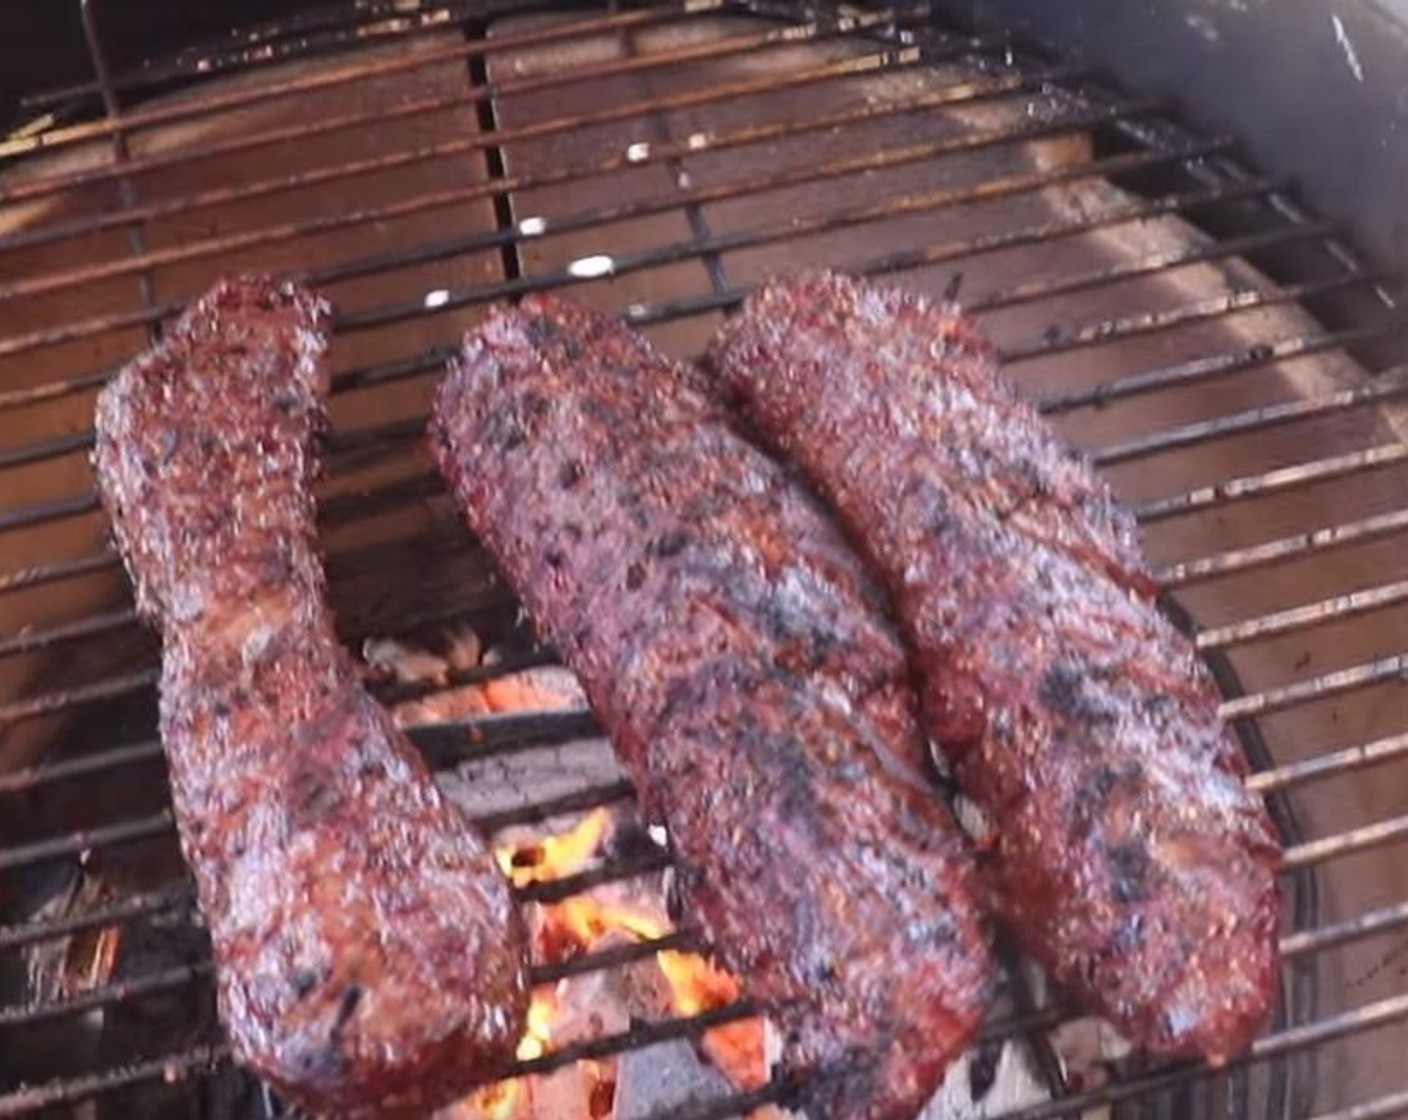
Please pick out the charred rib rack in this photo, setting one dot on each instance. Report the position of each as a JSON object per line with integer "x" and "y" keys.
{"x": 752, "y": 688}
{"x": 368, "y": 956}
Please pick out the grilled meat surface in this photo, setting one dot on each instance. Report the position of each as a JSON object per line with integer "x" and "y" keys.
{"x": 752, "y": 687}
{"x": 369, "y": 960}
{"x": 1127, "y": 855}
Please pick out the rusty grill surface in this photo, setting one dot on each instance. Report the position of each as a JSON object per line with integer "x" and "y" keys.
{"x": 1225, "y": 358}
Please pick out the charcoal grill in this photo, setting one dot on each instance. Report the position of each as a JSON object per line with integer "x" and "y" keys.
{"x": 1225, "y": 355}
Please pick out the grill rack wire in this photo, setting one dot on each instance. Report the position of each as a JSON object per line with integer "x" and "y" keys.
{"x": 1208, "y": 183}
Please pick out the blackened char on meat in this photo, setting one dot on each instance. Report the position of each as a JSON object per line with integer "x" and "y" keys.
{"x": 369, "y": 960}
{"x": 1129, "y": 856}
{"x": 741, "y": 662}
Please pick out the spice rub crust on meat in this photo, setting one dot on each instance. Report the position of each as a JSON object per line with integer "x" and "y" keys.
{"x": 752, "y": 687}
{"x": 1128, "y": 854}
{"x": 369, "y": 960}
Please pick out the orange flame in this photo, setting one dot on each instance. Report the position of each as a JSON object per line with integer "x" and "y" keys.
{"x": 556, "y": 857}
{"x": 580, "y": 923}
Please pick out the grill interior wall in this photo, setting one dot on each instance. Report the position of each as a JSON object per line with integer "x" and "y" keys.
{"x": 711, "y": 163}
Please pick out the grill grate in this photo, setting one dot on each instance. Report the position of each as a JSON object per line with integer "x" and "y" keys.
{"x": 1222, "y": 354}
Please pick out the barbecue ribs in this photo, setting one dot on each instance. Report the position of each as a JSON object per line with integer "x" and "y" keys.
{"x": 369, "y": 961}
{"x": 1127, "y": 853}
{"x": 740, "y": 660}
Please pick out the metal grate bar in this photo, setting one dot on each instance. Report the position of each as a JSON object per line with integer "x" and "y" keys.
{"x": 91, "y": 764}
{"x": 1372, "y": 924}
{"x": 21, "y": 781}
{"x": 444, "y": 744}
{"x": 143, "y": 906}
{"x": 137, "y": 681}
{"x": 800, "y": 226}
{"x": 162, "y": 825}
{"x": 1197, "y": 370}
{"x": 710, "y": 96}
{"x": 778, "y": 1091}
{"x": 52, "y": 390}
{"x": 1280, "y": 1044}
{"x": 1381, "y": 1108}
{"x": 1084, "y": 336}
{"x": 183, "y": 976}
{"x": 1335, "y": 609}
{"x": 1287, "y": 548}
{"x": 648, "y": 1034}
{"x": 792, "y": 33}
{"x": 1384, "y": 387}
{"x": 1366, "y": 675}
{"x": 40, "y": 513}
{"x": 1232, "y": 248}
{"x": 540, "y": 812}
{"x": 53, "y": 448}
{"x": 1274, "y": 482}
{"x": 1348, "y": 843}
{"x": 851, "y": 165}
{"x": 51, "y": 703}
{"x": 106, "y": 995}
{"x": 497, "y": 733}
{"x": 87, "y": 840}
{"x": 83, "y": 328}
{"x": 1331, "y": 764}
{"x": 126, "y": 191}
{"x": 35, "y": 575}
{"x": 1301, "y": 944}
{"x": 137, "y": 120}
{"x": 308, "y": 30}
{"x": 614, "y": 957}
{"x": 914, "y": 258}
{"x": 169, "y": 1069}
{"x": 946, "y": 252}
{"x": 116, "y": 913}
{"x": 29, "y": 641}
{"x": 79, "y": 329}
{"x": 204, "y": 1058}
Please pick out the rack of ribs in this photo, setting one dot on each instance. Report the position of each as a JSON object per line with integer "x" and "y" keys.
{"x": 1127, "y": 854}
{"x": 753, "y": 688}
{"x": 369, "y": 960}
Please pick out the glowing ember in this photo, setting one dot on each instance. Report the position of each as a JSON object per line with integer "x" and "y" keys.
{"x": 578, "y": 925}
{"x": 556, "y": 857}
{"x": 584, "y": 1006}
{"x": 699, "y": 986}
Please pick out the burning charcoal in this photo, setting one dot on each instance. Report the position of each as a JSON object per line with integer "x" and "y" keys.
{"x": 507, "y": 1100}
{"x": 543, "y": 689}
{"x": 510, "y": 781}
{"x": 651, "y": 1081}
{"x": 463, "y": 648}
{"x": 564, "y": 1092}
{"x": 56, "y": 969}
{"x": 1012, "y": 1082}
{"x": 390, "y": 659}
{"x": 1088, "y": 1049}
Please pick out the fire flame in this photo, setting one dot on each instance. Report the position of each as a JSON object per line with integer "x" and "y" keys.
{"x": 556, "y": 857}
{"x": 576, "y": 925}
